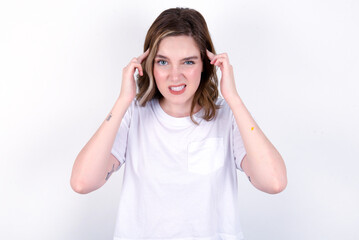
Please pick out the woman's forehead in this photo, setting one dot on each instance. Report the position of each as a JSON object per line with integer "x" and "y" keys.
{"x": 178, "y": 46}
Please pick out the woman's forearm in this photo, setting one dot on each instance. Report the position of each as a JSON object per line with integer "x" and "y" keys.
{"x": 263, "y": 163}
{"x": 92, "y": 164}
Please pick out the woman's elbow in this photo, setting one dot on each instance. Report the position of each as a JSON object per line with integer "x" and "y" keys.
{"x": 77, "y": 187}
{"x": 278, "y": 179}
{"x": 277, "y": 186}
{"x": 80, "y": 186}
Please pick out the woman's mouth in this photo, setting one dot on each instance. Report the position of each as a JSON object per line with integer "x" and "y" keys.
{"x": 176, "y": 90}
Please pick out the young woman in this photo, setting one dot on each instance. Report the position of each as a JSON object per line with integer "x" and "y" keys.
{"x": 181, "y": 142}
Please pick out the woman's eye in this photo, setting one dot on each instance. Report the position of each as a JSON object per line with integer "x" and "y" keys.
{"x": 161, "y": 62}
{"x": 189, "y": 62}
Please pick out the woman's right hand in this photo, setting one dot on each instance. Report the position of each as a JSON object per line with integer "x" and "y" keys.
{"x": 128, "y": 86}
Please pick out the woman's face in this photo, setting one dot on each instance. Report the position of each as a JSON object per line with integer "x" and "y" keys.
{"x": 177, "y": 70}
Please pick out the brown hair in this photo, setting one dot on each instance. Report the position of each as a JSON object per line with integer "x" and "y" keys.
{"x": 176, "y": 22}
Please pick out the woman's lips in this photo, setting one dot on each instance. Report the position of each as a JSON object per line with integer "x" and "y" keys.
{"x": 178, "y": 89}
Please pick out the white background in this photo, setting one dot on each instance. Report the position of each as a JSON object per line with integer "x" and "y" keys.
{"x": 297, "y": 70}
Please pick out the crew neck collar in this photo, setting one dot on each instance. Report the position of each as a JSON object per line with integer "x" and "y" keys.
{"x": 175, "y": 121}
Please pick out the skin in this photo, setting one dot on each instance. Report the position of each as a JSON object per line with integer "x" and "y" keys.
{"x": 178, "y": 62}
{"x": 128, "y": 87}
{"x": 263, "y": 164}
{"x": 94, "y": 164}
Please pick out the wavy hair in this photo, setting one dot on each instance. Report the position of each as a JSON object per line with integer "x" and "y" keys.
{"x": 177, "y": 22}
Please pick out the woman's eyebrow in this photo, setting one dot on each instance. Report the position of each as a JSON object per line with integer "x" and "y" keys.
{"x": 190, "y": 58}
{"x": 184, "y": 59}
{"x": 161, "y": 56}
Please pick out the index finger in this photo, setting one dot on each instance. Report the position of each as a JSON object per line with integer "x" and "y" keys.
{"x": 143, "y": 56}
{"x": 210, "y": 54}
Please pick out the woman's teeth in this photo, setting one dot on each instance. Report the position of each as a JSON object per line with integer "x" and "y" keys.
{"x": 179, "y": 88}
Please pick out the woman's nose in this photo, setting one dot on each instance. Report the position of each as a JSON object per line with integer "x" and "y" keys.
{"x": 175, "y": 73}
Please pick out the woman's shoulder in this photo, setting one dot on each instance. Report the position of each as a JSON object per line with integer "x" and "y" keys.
{"x": 224, "y": 112}
{"x": 222, "y": 104}
{"x": 149, "y": 106}
{"x": 137, "y": 104}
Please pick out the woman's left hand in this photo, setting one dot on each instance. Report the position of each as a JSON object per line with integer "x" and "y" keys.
{"x": 227, "y": 84}
{"x": 262, "y": 163}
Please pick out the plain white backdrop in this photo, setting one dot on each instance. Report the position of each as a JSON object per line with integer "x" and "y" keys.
{"x": 296, "y": 66}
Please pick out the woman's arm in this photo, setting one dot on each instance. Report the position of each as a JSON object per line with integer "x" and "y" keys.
{"x": 95, "y": 163}
{"x": 263, "y": 164}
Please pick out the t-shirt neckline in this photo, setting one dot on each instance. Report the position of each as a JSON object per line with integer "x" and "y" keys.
{"x": 175, "y": 121}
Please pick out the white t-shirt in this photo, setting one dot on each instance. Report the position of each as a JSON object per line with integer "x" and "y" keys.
{"x": 180, "y": 179}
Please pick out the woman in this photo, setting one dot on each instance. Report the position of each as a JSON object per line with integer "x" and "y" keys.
{"x": 181, "y": 142}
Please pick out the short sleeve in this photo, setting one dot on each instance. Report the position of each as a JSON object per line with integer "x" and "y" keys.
{"x": 238, "y": 146}
{"x": 120, "y": 144}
